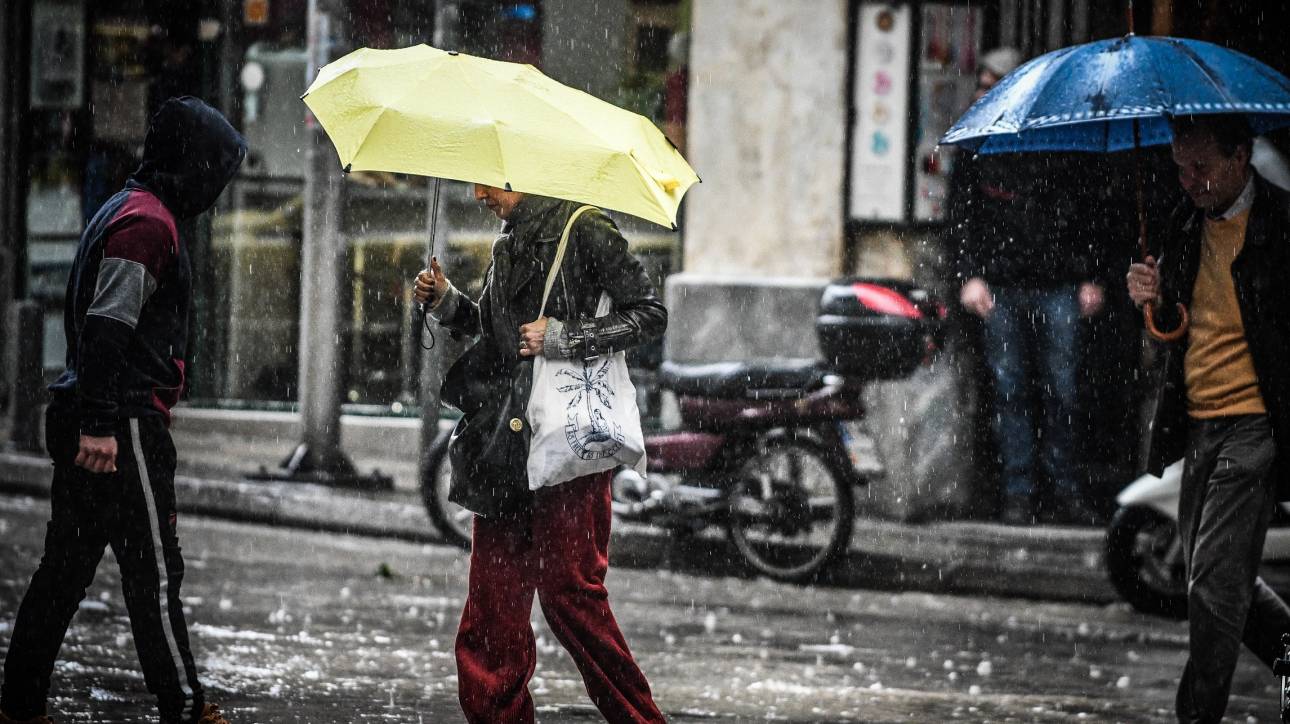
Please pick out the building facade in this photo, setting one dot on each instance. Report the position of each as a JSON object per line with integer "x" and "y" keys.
{"x": 813, "y": 124}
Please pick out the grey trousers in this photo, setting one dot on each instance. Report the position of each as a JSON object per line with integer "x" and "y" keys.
{"x": 1223, "y": 515}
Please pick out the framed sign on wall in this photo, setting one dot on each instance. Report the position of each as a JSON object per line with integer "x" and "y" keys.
{"x": 914, "y": 73}
{"x": 879, "y": 147}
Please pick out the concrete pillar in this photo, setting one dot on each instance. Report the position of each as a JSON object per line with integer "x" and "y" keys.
{"x": 767, "y": 134}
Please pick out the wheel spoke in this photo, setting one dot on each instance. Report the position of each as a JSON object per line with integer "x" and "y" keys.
{"x": 802, "y": 525}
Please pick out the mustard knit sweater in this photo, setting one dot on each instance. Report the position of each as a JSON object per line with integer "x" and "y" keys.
{"x": 1218, "y": 368}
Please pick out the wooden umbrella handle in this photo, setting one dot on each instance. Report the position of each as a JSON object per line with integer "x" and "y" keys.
{"x": 1148, "y": 309}
{"x": 1148, "y": 316}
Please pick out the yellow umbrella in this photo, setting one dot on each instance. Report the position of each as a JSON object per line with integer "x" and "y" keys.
{"x": 425, "y": 111}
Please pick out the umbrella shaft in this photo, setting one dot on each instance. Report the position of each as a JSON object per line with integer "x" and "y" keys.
{"x": 433, "y": 250}
{"x": 1137, "y": 174}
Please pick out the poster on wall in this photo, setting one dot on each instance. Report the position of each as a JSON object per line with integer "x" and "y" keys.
{"x": 948, "y": 49}
{"x": 57, "y": 54}
{"x": 879, "y": 155}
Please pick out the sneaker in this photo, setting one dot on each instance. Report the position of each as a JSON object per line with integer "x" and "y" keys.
{"x": 42, "y": 719}
{"x": 211, "y": 715}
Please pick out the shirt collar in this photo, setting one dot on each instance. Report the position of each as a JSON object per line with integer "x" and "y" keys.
{"x": 1241, "y": 204}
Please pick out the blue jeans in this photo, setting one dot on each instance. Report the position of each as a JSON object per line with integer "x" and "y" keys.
{"x": 1030, "y": 347}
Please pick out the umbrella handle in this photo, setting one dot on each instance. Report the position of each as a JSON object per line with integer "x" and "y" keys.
{"x": 1148, "y": 316}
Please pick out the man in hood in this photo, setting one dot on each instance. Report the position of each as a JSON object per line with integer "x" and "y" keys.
{"x": 106, "y": 428}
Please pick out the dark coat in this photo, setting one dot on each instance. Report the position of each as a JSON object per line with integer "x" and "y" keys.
{"x": 1260, "y": 274}
{"x": 596, "y": 260}
{"x": 1022, "y": 219}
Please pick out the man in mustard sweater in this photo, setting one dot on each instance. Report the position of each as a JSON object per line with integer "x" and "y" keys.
{"x": 1223, "y": 400}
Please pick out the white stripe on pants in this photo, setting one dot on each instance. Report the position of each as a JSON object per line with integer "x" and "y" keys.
{"x": 154, "y": 524}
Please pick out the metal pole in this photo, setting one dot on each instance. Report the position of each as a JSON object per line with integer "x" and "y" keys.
{"x": 318, "y": 457}
{"x": 432, "y": 362}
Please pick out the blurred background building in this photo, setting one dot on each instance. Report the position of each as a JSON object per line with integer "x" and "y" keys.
{"x": 812, "y": 122}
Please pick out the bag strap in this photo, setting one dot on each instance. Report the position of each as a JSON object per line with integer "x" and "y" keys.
{"x": 559, "y": 255}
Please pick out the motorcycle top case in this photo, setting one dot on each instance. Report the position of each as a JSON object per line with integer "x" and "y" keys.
{"x": 875, "y": 329}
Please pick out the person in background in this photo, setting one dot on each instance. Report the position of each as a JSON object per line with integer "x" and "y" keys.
{"x": 1223, "y": 400}
{"x": 106, "y": 427}
{"x": 1026, "y": 271}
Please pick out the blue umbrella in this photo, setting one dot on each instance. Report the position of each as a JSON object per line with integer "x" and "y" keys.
{"x": 1119, "y": 94}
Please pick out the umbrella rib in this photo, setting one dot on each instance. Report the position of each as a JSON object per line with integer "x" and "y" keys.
{"x": 1205, "y": 71}
{"x": 497, "y": 136}
{"x": 386, "y": 107}
{"x": 1052, "y": 69}
{"x": 591, "y": 130}
{"x": 574, "y": 119}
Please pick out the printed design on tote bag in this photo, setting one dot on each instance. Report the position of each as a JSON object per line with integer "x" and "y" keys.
{"x": 596, "y": 437}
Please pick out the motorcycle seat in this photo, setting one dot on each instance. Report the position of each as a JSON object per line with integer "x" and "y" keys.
{"x": 768, "y": 378}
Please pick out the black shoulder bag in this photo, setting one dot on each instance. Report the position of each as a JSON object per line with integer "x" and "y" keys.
{"x": 489, "y": 447}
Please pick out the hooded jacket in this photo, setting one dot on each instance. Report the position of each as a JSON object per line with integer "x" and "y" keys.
{"x": 125, "y": 315}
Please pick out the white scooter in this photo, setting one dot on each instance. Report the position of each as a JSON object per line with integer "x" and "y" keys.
{"x": 1144, "y": 553}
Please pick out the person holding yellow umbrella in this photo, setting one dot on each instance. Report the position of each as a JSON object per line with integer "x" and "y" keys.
{"x": 562, "y": 285}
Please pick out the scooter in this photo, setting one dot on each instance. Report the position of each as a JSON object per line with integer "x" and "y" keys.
{"x": 765, "y": 452}
{"x": 769, "y": 451}
{"x": 1144, "y": 555}
{"x": 1281, "y": 668}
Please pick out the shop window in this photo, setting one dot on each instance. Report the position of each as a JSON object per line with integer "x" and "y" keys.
{"x": 248, "y": 342}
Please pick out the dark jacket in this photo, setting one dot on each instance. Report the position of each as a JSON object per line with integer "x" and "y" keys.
{"x": 1259, "y": 273}
{"x": 1022, "y": 220}
{"x": 125, "y": 315}
{"x": 596, "y": 259}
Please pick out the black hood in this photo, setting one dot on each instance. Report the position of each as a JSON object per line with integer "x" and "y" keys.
{"x": 189, "y": 156}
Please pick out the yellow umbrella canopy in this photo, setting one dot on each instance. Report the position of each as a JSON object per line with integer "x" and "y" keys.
{"x": 425, "y": 111}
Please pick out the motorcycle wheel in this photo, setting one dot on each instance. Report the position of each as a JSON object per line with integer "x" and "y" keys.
{"x": 452, "y": 520}
{"x": 1145, "y": 562}
{"x": 803, "y": 524}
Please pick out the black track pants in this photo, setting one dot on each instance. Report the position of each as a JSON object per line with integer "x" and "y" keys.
{"x": 132, "y": 510}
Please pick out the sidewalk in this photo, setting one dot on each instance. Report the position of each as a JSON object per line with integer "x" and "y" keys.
{"x": 944, "y": 557}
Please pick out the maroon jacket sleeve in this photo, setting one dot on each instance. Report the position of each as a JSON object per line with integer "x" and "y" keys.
{"x": 139, "y": 247}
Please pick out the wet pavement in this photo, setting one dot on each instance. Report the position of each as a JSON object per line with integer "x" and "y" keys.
{"x": 295, "y": 626}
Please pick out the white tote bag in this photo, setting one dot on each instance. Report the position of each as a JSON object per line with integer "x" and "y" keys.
{"x": 582, "y": 414}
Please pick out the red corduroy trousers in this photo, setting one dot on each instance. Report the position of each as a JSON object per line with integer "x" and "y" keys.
{"x": 561, "y": 553}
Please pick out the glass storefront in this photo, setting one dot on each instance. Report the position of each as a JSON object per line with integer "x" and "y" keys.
{"x": 248, "y": 57}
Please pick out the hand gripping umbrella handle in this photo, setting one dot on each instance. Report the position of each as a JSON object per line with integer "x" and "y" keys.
{"x": 1148, "y": 316}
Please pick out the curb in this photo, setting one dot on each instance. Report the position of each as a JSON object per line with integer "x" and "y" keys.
{"x": 1047, "y": 563}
